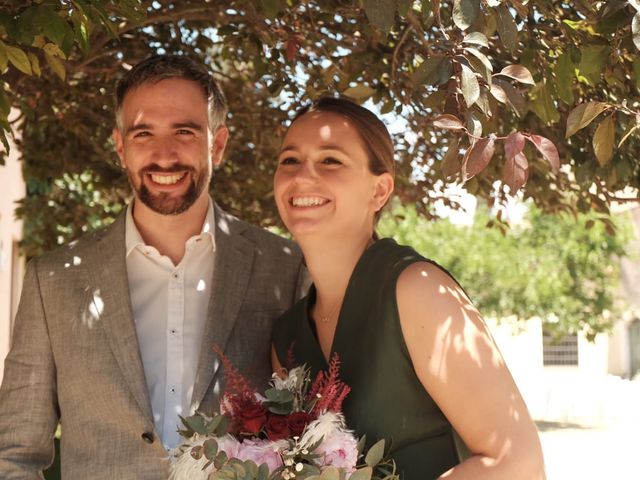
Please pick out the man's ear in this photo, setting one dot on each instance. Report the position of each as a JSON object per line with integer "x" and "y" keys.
{"x": 383, "y": 190}
{"x": 118, "y": 141}
{"x": 218, "y": 143}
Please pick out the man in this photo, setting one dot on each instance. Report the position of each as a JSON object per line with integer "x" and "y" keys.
{"x": 114, "y": 332}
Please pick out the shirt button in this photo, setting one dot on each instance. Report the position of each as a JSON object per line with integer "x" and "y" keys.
{"x": 175, "y": 275}
{"x": 172, "y": 331}
{"x": 172, "y": 390}
{"x": 147, "y": 437}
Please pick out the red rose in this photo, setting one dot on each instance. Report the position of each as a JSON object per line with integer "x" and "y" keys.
{"x": 251, "y": 417}
{"x": 276, "y": 427}
{"x": 297, "y": 421}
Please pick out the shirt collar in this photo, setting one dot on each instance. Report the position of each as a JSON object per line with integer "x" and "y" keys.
{"x": 133, "y": 239}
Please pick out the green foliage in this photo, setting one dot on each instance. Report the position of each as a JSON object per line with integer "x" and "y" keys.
{"x": 559, "y": 268}
{"x": 500, "y": 68}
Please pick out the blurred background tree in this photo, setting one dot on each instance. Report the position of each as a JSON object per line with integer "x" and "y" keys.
{"x": 563, "y": 270}
{"x": 487, "y": 91}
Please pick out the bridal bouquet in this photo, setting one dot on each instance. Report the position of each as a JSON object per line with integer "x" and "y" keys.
{"x": 294, "y": 431}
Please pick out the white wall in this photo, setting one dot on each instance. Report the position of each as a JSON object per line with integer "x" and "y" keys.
{"x": 12, "y": 188}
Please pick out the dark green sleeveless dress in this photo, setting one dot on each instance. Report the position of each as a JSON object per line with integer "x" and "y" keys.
{"x": 387, "y": 399}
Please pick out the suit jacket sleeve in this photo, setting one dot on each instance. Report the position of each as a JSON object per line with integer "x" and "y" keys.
{"x": 28, "y": 398}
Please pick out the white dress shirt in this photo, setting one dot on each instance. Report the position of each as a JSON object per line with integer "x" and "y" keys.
{"x": 170, "y": 304}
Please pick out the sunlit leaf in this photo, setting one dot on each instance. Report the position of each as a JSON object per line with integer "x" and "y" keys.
{"x": 480, "y": 63}
{"x": 543, "y": 103}
{"x": 359, "y": 92}
{"x": 478, "y": 156}
{"x": 519, "y": 73}
{"x": 548, "y": 150}
{"x": 477, "y": 38}
{"x": 628, "y": 133}
{"x": 514, "y": 96}
{"x": 448, "y": 122}
{"x": 57, "y": 65}
{"x": 35, "y": 64}
{"x": 583, "y": 115}
{"x": 604, "y": 141}
{"x": 19, "y": 59}
{"x": 469, "y": 85}
{"x": 465, "y": 12}
{"x": 635, "y": 29}
{"x": 593, "y": 61}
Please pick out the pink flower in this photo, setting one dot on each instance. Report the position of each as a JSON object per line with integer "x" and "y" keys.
{"x": 260, "y": 451}
{"x": 228, "y": 445}
{"x": 340, "y": 449}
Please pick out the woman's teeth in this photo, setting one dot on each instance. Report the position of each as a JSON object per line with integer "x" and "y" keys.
{"x": 308, "y": 201}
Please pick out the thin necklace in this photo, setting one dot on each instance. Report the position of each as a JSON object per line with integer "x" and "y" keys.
{"x": 326, "y": 318}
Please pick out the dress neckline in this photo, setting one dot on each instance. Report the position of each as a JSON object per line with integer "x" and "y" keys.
{"x": 346, "y": 304}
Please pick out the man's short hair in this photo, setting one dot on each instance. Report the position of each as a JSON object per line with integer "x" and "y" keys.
{"x": 162, "y": 67}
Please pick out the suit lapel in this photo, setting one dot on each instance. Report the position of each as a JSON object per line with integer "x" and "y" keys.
{"x": 231, "y": 274}
{"x": 108, "y": 269}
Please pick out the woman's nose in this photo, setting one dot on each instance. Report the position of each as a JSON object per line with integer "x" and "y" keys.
{"x": 306, "y": 172}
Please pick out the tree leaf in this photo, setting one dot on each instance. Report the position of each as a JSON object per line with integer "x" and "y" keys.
{"x": 19, "y": 59}
{"x": 4, "y": 59}
{"x": 380, "y": 13}
{"x": 514, "y": 144}
{"x": 35, "y": 64}
{"x": 628, "y": 133}
{"x": 465, "y": 12}
{"x": 514, "y": 96}
{"x": 479, "y": 156}
{"x": 53, "y": 25}
{"x": 451, "y": 164}
{"x": 480, "y": 63}
{"x": 56, "y": 65}
{"x": 519, "y": 73}
{"x": 448, "y": 122}
{"x": 360, "y": 92}
{"x": 469, "y": 85}
{"x": 604, "y": 140}
{"x": 473, "y": 124}
{"x": 515, "y": 172}
{"x": 636, "y": 70}
{"x": 476, "y": 38}
{"x": 564, "y": 73}
{"x": 593, "y": 59}
{"x": 548, "y": 150}
{"x": 635, "y": 29}
{"x": 507, "y": 28}
{"x": 583, "y": 115}
{"x": 435, "y": 70}
{"x": 543, "y": 104}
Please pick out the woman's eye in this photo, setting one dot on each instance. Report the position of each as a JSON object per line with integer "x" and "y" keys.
{"x": 331, "y": 161}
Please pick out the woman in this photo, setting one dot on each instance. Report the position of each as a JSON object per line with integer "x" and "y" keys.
{"x": 420, "y": 361}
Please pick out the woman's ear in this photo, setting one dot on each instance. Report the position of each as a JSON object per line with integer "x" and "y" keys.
{"x": 383, "y": 190}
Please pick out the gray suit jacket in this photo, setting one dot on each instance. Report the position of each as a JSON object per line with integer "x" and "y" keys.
{"x": 75, "y": 356}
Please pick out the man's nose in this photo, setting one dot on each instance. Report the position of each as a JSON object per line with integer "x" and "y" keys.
{"x": 165, "y": 150}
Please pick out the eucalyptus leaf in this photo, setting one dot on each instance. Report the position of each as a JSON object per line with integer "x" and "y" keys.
{"x": 375, "y": 454}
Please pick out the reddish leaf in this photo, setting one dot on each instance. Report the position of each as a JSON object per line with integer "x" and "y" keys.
{"x": 292, "y": 49}
{"x": 519, "y": 73}
{"x": 448, "y": 122}
{"x": 547, "y": 149}
{"x": 513, "y": 145}
{"x": 515, "y": 172}
{"x": 478, "y": 156}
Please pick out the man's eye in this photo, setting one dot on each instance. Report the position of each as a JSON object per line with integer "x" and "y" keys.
{"x": 142, "y": 133}
{"x": 288, "y": 161}
{"x": 183, "y": 131}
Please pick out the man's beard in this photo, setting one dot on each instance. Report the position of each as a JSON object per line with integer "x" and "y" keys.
{"x": 165, "y": 203}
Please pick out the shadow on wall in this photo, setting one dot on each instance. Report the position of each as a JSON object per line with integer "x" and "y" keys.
{"x": 53, "y": 472}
